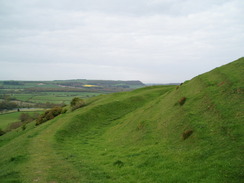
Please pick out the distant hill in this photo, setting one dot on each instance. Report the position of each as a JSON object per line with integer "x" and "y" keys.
{"x": 192, "y": 132}
{"x": 153, "y": 84}
{"x": 24, "y": 94}
{"x": 75, "y": 83}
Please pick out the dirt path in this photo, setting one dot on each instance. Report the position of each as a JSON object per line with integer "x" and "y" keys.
{"x": 45, "y": 163}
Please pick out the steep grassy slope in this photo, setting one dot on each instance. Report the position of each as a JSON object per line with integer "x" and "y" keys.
{"x": 137, "y": 138}
{"x": 146, "y": 135}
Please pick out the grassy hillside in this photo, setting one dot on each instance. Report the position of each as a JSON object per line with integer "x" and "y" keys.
{"x": 187, "y": 133}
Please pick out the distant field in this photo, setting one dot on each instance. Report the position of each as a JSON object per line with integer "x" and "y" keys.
{"x": 8, "y": 118}
{"x": 24, "y": 85}
{"x": 53, "y": 97}
{"x": 44, "y": 93}
{"x": 80, "y": 83}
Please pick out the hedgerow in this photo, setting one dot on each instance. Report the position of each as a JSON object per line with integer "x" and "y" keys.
{"x": 49, "y": 114}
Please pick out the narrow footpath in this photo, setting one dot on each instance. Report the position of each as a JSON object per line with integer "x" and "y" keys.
{"x": 46, "y": 165}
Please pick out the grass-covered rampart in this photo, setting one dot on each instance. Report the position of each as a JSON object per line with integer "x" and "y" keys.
{"x": 187, "y": 133}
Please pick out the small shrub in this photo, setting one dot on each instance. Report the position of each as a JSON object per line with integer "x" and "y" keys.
{"x": 187, "y": 134}
{"x": 77, "y": 103}
{"x": 182, "y": 101}
{"x": 64, "y": 110}
{"x": 13, "y": 126}
{"x": 23, "y": 127}
{"x": 24, "y": 117}
{"x": 48, "y": 115}
{"x": 2, "y": 132}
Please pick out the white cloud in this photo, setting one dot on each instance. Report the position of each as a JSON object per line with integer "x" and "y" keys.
{"x": 136, "y": 40}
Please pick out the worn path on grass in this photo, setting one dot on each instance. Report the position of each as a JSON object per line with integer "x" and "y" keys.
{"x": 45, "y": 163}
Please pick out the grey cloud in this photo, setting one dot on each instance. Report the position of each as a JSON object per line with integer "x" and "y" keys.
{"x": 148, "y": 40}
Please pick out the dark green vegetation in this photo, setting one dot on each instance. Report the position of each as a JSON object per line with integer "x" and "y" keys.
{"x": 187, "y": 133}
{"x": 77, "y": 103}
{"x": 49, "y": 114}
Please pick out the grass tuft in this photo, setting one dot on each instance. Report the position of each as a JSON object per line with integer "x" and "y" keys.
{"x": 182, "y": 101}
{"x": 118, "y": 163}
{"x": 186, "y": 134}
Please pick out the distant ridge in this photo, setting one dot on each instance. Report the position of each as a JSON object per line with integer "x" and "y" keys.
{"x": 153, "y": 84}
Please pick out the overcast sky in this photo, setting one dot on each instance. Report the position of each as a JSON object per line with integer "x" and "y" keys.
{"x": 158, "y": 41}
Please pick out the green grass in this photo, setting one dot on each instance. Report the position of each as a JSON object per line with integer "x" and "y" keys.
{"x": 137, "y": 136}
{"x": 53, "y": 97}
{"x": 8, "y": 118}
{"x": 23, "y": 97}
